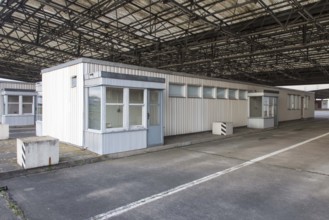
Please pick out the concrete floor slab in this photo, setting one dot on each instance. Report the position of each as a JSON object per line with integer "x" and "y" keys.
{"x": 290, "y": 185}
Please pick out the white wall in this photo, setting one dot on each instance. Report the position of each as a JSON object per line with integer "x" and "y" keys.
{"x": 63, "y": 105}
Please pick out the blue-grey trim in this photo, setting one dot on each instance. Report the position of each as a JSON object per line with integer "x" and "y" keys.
{"x": 18, "y": 90}
{"x": 271, "y": 91}
{"x": 112, "y": 75}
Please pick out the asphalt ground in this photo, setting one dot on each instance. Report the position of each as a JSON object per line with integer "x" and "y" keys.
{"x": 292, "y": 184}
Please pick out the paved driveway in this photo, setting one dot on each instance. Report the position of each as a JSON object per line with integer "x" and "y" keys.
{"x": 277, "y": 174}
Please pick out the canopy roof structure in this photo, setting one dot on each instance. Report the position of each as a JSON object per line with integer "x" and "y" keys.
{"x": 273, "y": 42}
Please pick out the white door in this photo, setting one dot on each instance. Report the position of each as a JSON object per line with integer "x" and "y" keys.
{"x": 154, "y": 118}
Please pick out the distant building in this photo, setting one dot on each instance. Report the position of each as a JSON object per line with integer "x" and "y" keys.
{"x": 17, "y": 103}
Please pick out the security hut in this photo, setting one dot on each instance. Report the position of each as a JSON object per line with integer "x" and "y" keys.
{"x": 17, "y": 103}
{"x": 111, "y": 107}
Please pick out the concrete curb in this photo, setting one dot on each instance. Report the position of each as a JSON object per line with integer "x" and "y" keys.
{"x": 67, "y": 164}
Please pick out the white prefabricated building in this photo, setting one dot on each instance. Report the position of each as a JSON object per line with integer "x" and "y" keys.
{"x": 17, "y": 103}
{"x": 111, "y": 107}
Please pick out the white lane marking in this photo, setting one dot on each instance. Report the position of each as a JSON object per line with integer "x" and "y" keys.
{"x": 125, "y": 208}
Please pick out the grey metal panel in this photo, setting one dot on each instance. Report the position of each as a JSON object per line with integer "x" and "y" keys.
{"x": 124, "y": 141}
{"x": 19, "y": 120}
{"x": 106, "y": 143}
{"x": 93, "y": 142}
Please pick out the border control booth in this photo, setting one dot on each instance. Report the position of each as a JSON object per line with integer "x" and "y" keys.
{"x": 263, "y": 109}
{"x": 123, "y": 112}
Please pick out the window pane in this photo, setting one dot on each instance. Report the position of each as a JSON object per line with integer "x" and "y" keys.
{"x": 114, "y": 95}
{"x": 176, "y": 90}
{"x": 208, "y": 92}
{"x": 154, "y": 97}
{"x": 154, "y": 115}
{"x": 94, "y": 108}
{"x": 28, "y": 99}
{"x": 114, "y": 116}
{"x": 266, "y": 102}
{"x": 13, "y": 109}
{"x": 27, "y": 108}
{"x": 221, "y": 93}
{"x": 13, "y": 98}
{"x": 39, "y": 112}
{"x": 193, "y": 91}
{"x": 135, "y": 114}
{"x": 136, "y": 96}
{"x": 242, "y": 94}
{"x": 232, "y": 93}
{"x": 255, "y": 107}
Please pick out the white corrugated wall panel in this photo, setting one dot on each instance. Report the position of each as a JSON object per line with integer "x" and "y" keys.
{"x": 63, "y": 105}
{"x": 15, "y": 85}
{"x": 187, "y": 115}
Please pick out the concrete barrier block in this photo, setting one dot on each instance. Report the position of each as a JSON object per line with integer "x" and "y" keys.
{"x": 4, "y": 131}
{"x": 37, "y": 151}
{"x": 222, "y": 128}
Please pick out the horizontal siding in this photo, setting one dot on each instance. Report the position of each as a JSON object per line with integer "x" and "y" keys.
{"x": 18, "y": 120}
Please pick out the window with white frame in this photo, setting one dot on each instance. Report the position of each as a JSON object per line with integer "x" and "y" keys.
{"x": 136, "y": 105}
{"x": 294, "y": 102}
{"x": 242, "y": 94}
{"x": 94, "y": 107}
{"x": 221, "y": 93}
{"x": 176, "y": 90}
{"x": 193, "y": 91}
{"x": 208, "y": 92}
{"x": 232, "y": 94}
{"x": 269, "y": 106}
{"x": 114, "y": 107}
{"x": 27, "y": 104}
{"x": 13, "y": 105}
{"x": 307, "y": 102}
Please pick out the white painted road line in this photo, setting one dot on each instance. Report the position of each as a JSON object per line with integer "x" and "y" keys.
{"x": 128, "y": 207}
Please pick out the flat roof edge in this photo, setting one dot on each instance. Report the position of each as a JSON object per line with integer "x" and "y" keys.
{"x": 149, "y": 69}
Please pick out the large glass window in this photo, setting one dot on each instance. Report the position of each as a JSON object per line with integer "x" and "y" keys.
{"x": 94, "y": 108}
{"x": 114, "y": 107}
{"x": 208, "y": 92}
{"x": 221, "y": 93}
{"x": 176, "y": 90}
{"x": 255, "y": 110}
{"x": 154, "y": 114}
{"x": 193, "y": 91}
{"x": 269, "y": 106}
{"x": 136, "y": 104}
{"x": 27, "y": 104}
{"x": 13, "y": 104}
